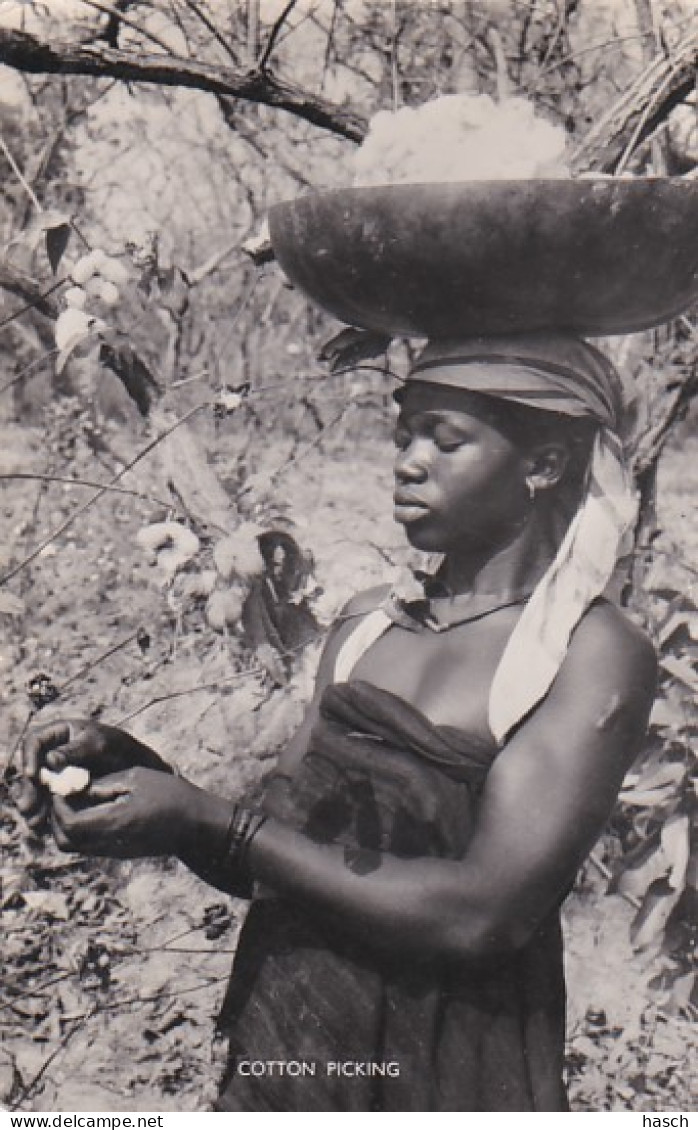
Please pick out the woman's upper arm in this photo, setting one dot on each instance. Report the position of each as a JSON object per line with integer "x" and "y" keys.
{"x": 553, "y": 786}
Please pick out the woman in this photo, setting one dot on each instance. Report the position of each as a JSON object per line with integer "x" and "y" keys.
{"x": 459, "y": 759}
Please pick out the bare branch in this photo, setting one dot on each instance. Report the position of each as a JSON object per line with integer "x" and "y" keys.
{"x": 641, "y": 109}
{"x": 65, "y": 480}
{"x": 24, "y": 286}
{"x": 27, "y": 53}
{"x": 274, "y": 34}
{"x": 31, "y": 367}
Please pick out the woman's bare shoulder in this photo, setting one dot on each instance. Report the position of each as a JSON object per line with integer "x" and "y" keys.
{"x": 605, "y": 623}
{"x": 609, "y": 649}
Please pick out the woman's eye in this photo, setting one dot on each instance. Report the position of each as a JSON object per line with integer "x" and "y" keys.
{"x": 446, "y": 439}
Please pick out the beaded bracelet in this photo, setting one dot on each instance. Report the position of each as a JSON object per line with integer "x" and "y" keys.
{"x": 242, "y": 829}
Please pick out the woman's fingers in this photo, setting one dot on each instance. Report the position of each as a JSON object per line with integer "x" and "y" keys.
{"x": 109, "y": 788}
{"x": 75, "y": 752}
{"x": 59, "y": 833}
{"x": 81, "y": 829}
{"x": 32, "y": 804}
{"x": 39, "y": 742}
{"x": 91, "y": 822}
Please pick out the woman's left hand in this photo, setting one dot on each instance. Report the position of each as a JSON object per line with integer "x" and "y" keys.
{"x": 139, "y": 812}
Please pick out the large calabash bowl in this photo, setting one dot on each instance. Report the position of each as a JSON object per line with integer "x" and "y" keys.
{"x": 595, "y": 256}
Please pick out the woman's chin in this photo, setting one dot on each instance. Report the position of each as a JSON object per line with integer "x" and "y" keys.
{"x": 419, "y": 538}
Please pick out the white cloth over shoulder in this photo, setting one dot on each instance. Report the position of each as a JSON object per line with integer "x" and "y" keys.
{"x": 562, "y": 374}
{"x": 579, "y": 573}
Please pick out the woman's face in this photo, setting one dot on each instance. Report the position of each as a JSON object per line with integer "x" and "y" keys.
{"x": 460, "y": 482}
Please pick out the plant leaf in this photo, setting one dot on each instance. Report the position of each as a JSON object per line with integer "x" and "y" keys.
{"x": 647, "y": 798}
{"x": 676, "y": 843}
{"x": 653, "y": 915}
{"x": 635, "y": 876}
{"x": 134, "y": 374}
{"x": 56, "y": 242}
{"x": 51, "y": 903}
{"x": 668, "y": 773}
{"x": 352, "y": 346}
{"x": 681, "y": 669}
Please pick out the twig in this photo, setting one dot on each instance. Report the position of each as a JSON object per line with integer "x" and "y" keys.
{"x": 20, "y": 738}
{"x": 109, "y": 10}
{"x": 20, "y": 176}
{"x": 194, "y": 7}
{"x": 641, "y": 123}
{"x": 36, "y": 364}
{"x": 86, "y": 483}
{"x": 602, "y": 45}
{"x": 39, "y": 990}
{"x": 85, "y": 670}
{"x": 35, "y": 302}
{"x": 394, "y": 72}
{"x": 500, "y": 62}
{"x": 241, "y": 307}
{"x": 188, "y": 380}
{"x": 259, "y": 670}
{"x": 183, "y": 949}
{"x": 200, "y": 273}
{"x": 605, "y": 871}
{"x": 329, "y": 44}
{"x": 79, "y": 1023}
{"x": 273, "y": 35}
{"x": 110, "y": 1006}
{"x": 80, "y": 510}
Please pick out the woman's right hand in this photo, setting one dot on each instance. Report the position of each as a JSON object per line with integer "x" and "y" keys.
{"x": 100, "y": 749}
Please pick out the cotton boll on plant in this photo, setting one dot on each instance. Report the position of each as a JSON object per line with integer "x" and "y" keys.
{"x": 169, "y": 544}
{"x": 88, "y": 266}
{"x": 72, "y": 326}
{"x": 108, "y": 293}
{"x": 114, "y": 271}
{"x": 197, "y": 586}
{"x": 224, "y": 609}
{"x": 460, "y": 137}
{"x": 238, "y": 555}
{"x": 75, "y": 297}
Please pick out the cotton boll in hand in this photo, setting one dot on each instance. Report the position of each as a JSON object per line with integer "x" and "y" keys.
{"x": 66, "y": 782}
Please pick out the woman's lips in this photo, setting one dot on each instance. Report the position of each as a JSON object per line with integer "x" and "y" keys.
{"x": 407, "y": 508}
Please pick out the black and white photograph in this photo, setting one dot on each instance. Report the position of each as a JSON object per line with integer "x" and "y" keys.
{"x": 348, "y": 571}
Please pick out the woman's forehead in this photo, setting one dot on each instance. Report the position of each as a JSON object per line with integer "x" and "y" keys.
{"x": 422, "y": 396}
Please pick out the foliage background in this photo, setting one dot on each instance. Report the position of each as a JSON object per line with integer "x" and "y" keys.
{"x": 125, "y": 964}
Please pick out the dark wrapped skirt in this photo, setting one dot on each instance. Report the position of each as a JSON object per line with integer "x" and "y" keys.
{"x": 317, "y": 1021}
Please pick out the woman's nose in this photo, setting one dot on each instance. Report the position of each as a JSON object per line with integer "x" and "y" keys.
{"x": 412, "y": 463}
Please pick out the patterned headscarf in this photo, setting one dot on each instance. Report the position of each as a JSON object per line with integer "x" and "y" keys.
{"x": 563, "y": 374}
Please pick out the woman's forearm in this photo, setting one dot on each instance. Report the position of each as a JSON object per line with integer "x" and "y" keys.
{"x": 202, "y": 839}
{"x": 427, "y": 908}
{"x": 413, "y": 906}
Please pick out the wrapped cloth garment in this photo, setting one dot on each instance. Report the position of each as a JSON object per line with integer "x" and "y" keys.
{"x": 379, "y": 777}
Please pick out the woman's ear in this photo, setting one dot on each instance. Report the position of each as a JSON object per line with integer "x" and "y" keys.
{"x": 547, "y": 465}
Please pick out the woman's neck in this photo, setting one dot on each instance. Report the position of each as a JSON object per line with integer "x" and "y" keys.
{"x": 505, "y": 570}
